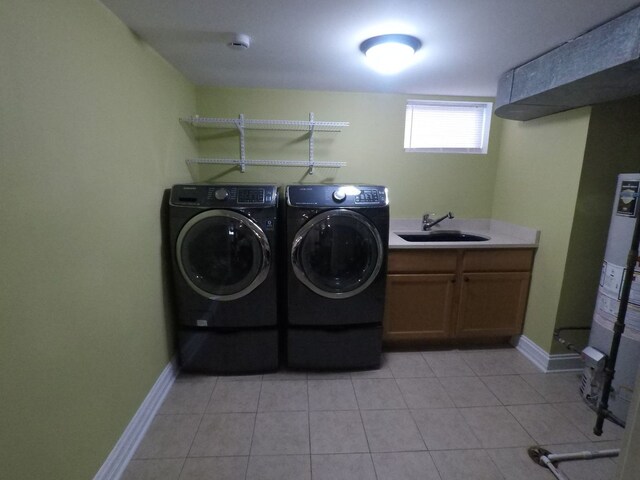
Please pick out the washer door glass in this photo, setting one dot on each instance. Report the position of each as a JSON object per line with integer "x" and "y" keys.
{"x": 337, "y": 254}
{"x": 222, "y": 254}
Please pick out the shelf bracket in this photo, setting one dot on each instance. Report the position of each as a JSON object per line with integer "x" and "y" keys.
{"x": 243, "y": 159}
{"x": 311, "y": 129}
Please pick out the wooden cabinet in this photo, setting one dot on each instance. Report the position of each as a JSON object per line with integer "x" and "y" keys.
{"x": 418, "y": 306}
{"x": 436, "y": 296}
{"x": 420, "y": 295}
{"x": 492, "y": 304}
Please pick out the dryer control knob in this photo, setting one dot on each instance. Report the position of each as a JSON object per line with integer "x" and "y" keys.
{"x": 339, "y": 195}
{"x": 221, "y": 194}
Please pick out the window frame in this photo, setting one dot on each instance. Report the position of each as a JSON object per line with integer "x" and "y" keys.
{"x": 487, "y": 108}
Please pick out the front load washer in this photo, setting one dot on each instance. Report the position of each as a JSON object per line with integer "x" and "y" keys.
{"x": 223, "y": 244}
{"x": 337, "y": 244}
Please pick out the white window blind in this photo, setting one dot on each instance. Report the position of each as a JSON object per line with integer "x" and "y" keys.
{"x": 447, "y": 127}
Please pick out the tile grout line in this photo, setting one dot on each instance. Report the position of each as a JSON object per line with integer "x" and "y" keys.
{"x": 309, "y": 429}
{"x": 506, "y": 407}
{"x": 471, "y": 431}
{"x": 436, "y": 466}
{"x": 253, "y": 432}
{"x": 484, "y": 450}
{"x": 366, "y": 435}
{"x": 184, "y": 463}
{"x": 409, "y": 409}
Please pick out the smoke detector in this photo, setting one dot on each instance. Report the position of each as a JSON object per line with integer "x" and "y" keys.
{"x": 239, "y": 41}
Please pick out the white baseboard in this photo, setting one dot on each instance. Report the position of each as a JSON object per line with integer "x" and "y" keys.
{"x": 564, "y": 362}
{"x": 118, "y": 459}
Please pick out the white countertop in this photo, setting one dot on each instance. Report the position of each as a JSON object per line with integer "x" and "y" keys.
{"x": 501, "y": 234}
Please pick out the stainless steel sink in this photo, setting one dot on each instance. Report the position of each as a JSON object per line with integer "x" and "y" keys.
{"x": 442, "y": 236}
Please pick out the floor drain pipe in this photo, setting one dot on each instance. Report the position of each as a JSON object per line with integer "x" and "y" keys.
{"x": 545, "y": 458}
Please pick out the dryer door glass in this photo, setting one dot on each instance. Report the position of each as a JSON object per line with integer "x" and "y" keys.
{"x": 223, "y": 255}
{"x": 337, "y": 254}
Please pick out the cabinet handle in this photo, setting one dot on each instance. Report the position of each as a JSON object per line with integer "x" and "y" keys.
{"x": 466, "y": 279}
{"x": 453, "y": 280}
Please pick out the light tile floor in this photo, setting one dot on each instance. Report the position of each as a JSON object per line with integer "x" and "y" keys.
{"x": 436, "y": 415}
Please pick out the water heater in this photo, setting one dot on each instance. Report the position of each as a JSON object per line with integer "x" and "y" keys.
{"x": 626, "y": 207}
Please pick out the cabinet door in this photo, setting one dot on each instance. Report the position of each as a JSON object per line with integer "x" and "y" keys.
{"x": 492, "y": 304}
{"x": 418, "y": 307}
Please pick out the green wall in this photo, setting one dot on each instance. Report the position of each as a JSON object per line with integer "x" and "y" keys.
{"x": 372, "y": 147}
{"x": 537, "y": 182}
{"x": 612, "y": 147}
{"x": 89, "y": 138}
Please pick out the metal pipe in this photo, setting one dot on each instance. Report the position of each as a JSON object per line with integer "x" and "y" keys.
{"x": 558, "y": 474}
{"x": 584, "y": 455}
{"x": 618, "y": 329}
{"x": 545, "y": 458}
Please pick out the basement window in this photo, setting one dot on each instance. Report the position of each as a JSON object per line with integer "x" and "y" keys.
{"x": 447, "y": 127}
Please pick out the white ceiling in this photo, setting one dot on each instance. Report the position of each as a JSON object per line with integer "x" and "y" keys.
{"x": 314, "y": 45}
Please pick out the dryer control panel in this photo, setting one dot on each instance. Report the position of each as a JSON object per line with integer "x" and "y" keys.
{"x": 337, "y": 196}
{"x": 227, "y": 196}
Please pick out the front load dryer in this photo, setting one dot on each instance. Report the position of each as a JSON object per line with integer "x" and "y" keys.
{"x": 337, "y": 243}
{"x": 223, "y": 243}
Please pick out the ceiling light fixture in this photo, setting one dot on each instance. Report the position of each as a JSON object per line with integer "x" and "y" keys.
{"x": 391, "y": 53}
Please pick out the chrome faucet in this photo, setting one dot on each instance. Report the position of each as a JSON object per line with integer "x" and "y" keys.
{"x": 427, "y": 223}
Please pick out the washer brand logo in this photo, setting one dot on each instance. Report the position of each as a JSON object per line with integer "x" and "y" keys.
{"x": 201, "y": 323}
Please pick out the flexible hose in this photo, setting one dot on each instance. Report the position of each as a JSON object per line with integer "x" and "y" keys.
{"x": 562, "y": 341}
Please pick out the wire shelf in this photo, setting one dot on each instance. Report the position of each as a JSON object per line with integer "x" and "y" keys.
{"x": 268, "y": 163}
{"x": 242, "y": 124}
{"x": 256, "y": 124}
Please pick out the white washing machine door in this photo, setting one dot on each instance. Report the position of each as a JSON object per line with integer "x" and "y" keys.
{"x": 337, "y": 254}
{"x": 222, "y": 254}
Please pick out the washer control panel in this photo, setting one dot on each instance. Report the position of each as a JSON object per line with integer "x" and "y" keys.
{"x": 337, "y": 195}
{"x": 368, "y": 196}
{"x": 251, "y": 195}
{"x": 202, "y": 195}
